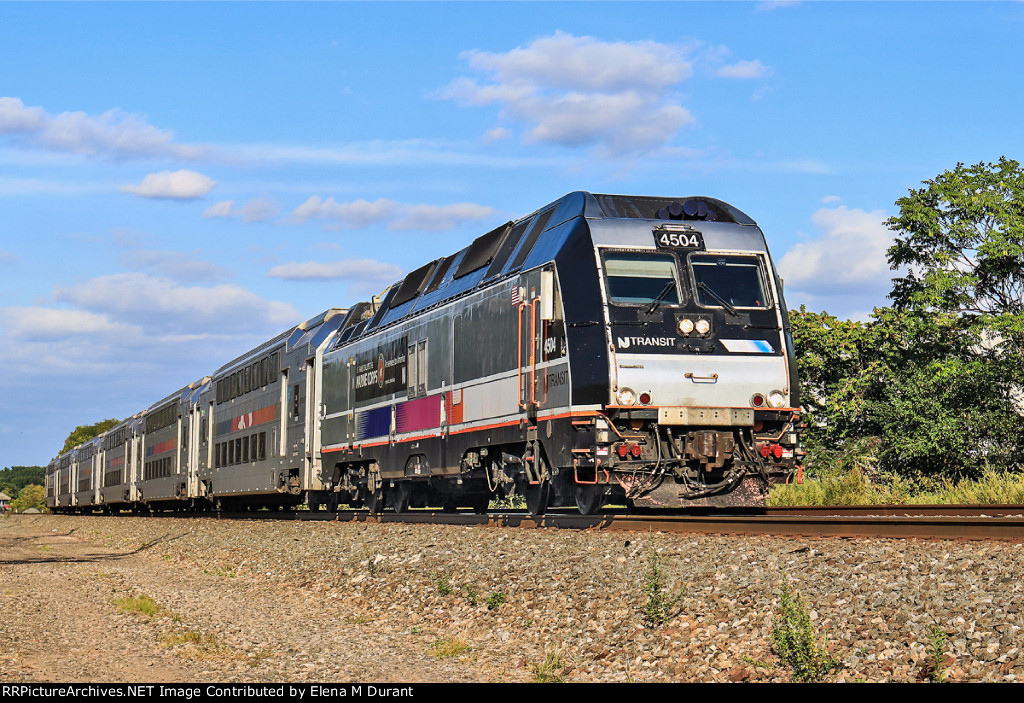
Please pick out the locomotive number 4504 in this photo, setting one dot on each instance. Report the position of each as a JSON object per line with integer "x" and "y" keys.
{"x": 678, "y": 240}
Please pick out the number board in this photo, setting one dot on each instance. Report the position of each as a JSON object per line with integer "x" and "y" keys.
{"x": 667, "y": 239}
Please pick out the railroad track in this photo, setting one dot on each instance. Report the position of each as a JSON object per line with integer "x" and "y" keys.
{"x": 895, "y": 522}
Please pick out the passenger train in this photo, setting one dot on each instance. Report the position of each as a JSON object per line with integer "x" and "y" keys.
{"x": 605, "y": 349}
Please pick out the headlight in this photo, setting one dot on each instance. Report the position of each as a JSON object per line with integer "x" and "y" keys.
{"x": 627, "y": 396}
{"x": 777, "y": 399}
{"x": 703, "y": 326}
{"x": 685, "y": 326}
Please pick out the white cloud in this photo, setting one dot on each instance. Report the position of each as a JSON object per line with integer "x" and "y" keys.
{"x": 178, "y": 265}
{"x": 173, "y": 185}
{"x": 439, "y": 217}
{"x": 353, "y": 269}
{"x": 580, "y": 91}
{"x": 41, "y": 323}
{"x": 258, "y": 210}
{"x": 845, "y": 267}
{"x": 7, "y": 257}
{"x": 225, "y": 208}
{"x": 114, "y": 134}
{"x": 173, "y": 308}
{"x": 359, "y": 214}
{"x": 744, "y": 70}
{"x": 497, "y": 134}
{"x": 829, "y": 199}
{"x": 354, "y": 215}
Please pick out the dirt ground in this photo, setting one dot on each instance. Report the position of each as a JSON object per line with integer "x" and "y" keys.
{"x": 60, "y": 622}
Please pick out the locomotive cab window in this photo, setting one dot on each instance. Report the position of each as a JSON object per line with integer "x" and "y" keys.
{"x": 728, "y": 281}
{"x": 641, "y": 278}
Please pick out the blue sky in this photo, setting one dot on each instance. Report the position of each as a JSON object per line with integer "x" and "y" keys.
{"x": 179, "y": 182}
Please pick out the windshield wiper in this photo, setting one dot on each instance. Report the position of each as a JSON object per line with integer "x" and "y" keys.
{"x": 731, "y": 310}
{"x": 661, "y": 296}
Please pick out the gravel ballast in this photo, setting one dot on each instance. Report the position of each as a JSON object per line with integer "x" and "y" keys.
{"x": 262, "y": 601}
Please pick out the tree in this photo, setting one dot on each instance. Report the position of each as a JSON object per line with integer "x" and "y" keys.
{"x": 919, "y": 383}
{"x": 83, "y": 433}
{"x": 937, "y": 378}
{"x": 13, "y": 479}
{"x": 961, "y": 239}
{"x": 31, "y": 496}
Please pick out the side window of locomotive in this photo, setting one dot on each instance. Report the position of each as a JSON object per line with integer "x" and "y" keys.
{"x": 724, "y": 281}
{"x": 641, "y": 278}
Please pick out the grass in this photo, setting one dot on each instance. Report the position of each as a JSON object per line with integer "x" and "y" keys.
{"x": 659, "y": 606}
{"x": 142, "y": 605}
{"x": 860, "y": 485}
{"x": 795, "y": 641}
{"x": 551, "y": 670}
{"x": 495, "y": 600}
{"x": 203, "y": 645}
{"x": 444, "y": 647}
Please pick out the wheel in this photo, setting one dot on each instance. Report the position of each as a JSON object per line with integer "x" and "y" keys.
{"x": 537, "y": 497}
{"x": 398, "y": 497}
{"x": 481, "y": 503}
{"x": 375, "y": 502}
{"x": 449, "y": 505}
{"x": 589, "y": 498}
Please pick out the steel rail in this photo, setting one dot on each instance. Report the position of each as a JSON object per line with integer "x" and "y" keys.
{"x": 961, "y": 527}
{"x": 882, "y": 522}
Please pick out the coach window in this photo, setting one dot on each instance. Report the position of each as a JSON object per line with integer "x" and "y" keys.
{"x": 641, "y": 278}
{"x": 728, "y": 281}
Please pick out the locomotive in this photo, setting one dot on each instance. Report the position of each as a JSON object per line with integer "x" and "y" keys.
{"x": 605, "y": 349}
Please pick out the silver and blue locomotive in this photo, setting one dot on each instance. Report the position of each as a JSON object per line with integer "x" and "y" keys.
{"x": 604, "y": 349}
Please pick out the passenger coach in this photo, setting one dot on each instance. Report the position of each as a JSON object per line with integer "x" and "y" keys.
{"x": 605, "y": 348}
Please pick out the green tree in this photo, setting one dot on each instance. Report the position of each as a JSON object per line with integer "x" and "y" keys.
{"x": 31, "y": 496}
{"x": 13, "y": 479}
{"x": 960, "y": 240}
{"x": 83, "y": 433}
{"x": 932, "y": 394}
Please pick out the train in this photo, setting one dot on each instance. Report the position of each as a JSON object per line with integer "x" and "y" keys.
{"x": 603, "y": 350}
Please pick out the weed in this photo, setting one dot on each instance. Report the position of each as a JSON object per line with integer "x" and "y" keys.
{"x": 143, "y": 605}
{"x": 471, "y": 595}
{"x": 510, "y": 502}
{"x": 936, "y": 668}
{"x": 794, "y": 639}
{"x": 444, "y": 584}
{"x": 226, "y": 571}
{"x": 257, "y": 658}
{"x": 202, "y": 644}
{"x": 448, "y": 647}
{"x": 659, "y": 606}
{"x": 494, "y": 600}
{"x": 550, "y": 670}
{"x": 757, "y": 662}
{"x": 358, "y": 620}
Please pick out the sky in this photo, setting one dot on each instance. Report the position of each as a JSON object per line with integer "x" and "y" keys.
{"x": 180, "y": 182}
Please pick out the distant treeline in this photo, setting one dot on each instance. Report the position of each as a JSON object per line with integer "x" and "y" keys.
{"x": 15, "y": 478}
